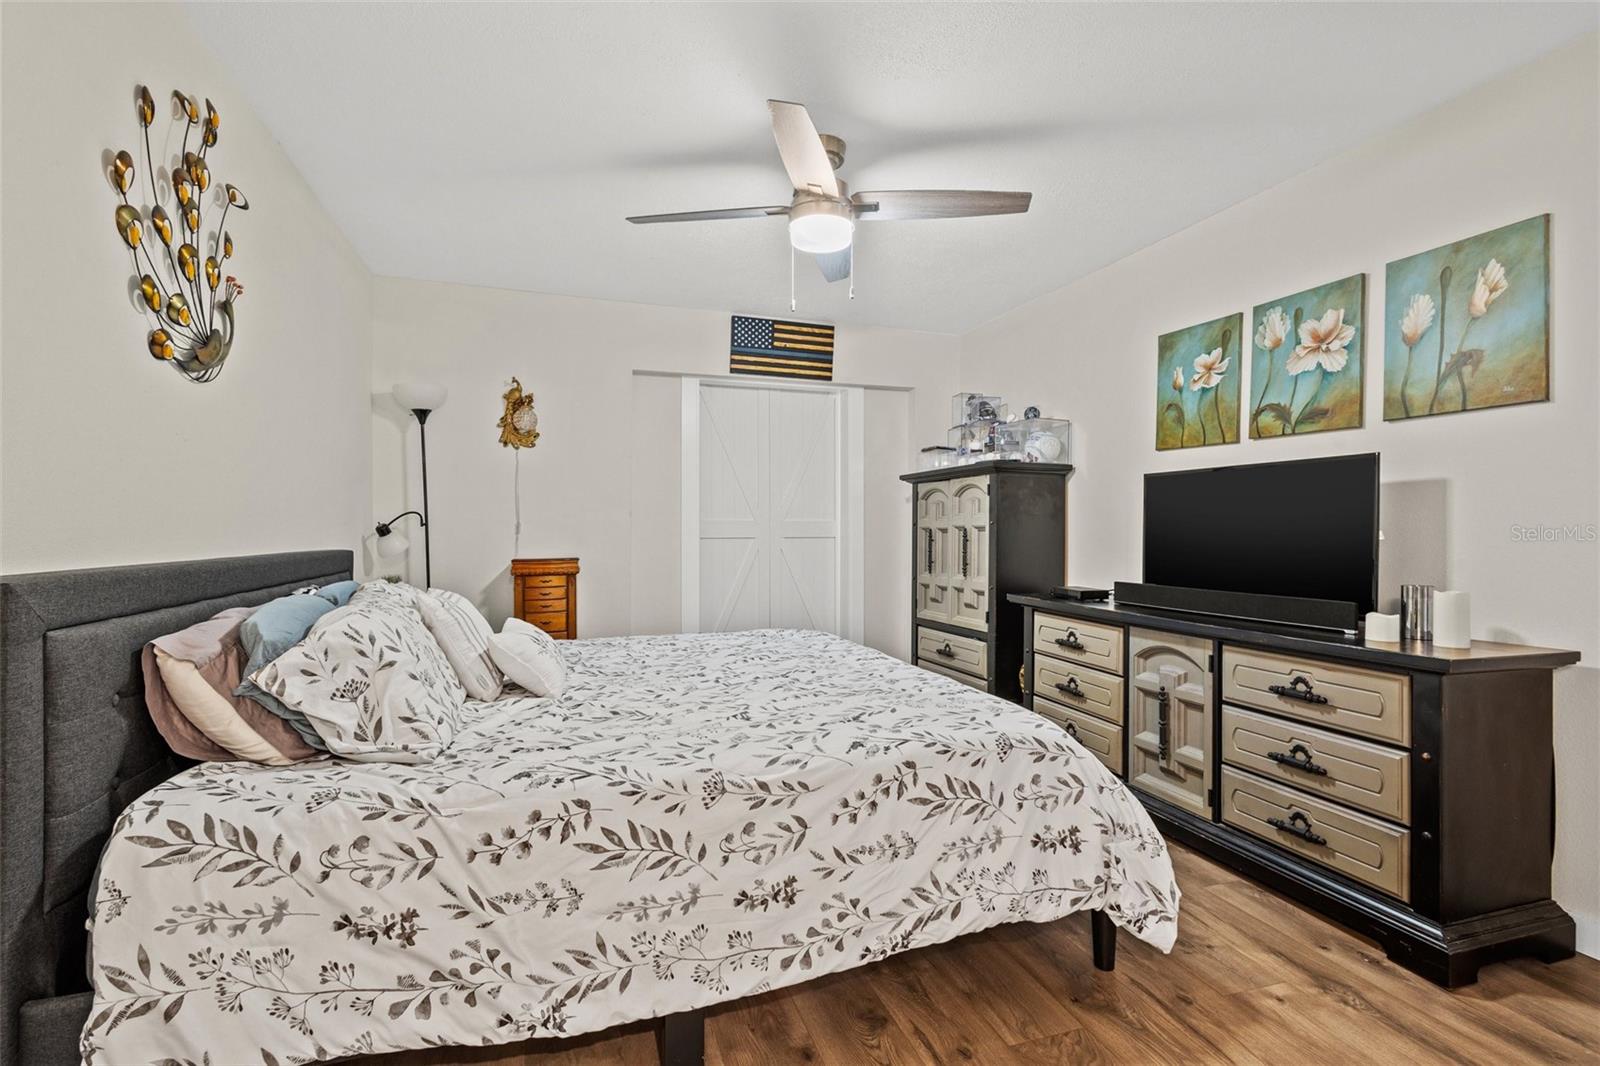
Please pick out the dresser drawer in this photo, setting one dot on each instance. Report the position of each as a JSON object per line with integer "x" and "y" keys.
{"x": 538, "y": 593}
{"x": 533, "y": 581}
{"x": 958, "y": 653}
{"x": 1333, "y": 767}
{"x": 1078, "y": 687}
{"x": 1369, "y": 702}
{"x": 549, "y": 621}
{"x": 1080, "y": 642}
{"x": 955, "y": 675}
{"x": 1355, "y": 845}
{"x": 1102, "y": 739}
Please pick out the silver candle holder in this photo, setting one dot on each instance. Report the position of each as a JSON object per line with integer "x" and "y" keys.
{"x": 1416, "y": 612}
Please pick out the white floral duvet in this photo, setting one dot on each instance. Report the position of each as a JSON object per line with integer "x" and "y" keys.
{"x": 698, "y": 818}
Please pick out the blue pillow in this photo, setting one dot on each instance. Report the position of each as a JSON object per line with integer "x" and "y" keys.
{"x": 272, "y": 630}
{"x": 339, "y": 592}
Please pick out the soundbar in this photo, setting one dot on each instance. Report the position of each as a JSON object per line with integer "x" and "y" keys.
{"x": 1253, "y": 607}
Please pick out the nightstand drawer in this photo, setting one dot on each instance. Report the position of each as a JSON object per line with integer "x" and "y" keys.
{"x": 1104, "y": 741}
{"x": 545, "y": 592}
{"x": 533, "y": 581}
{"x": 1357, "y": 700}
{"x": 549, "y": 621}
{"x": 1080, "y": 642}
{"x": 955, "y": 675}
{"x": 1078, "y": 687}
{"x": 957, "y": 653}
{"x": 1353, "y": 844}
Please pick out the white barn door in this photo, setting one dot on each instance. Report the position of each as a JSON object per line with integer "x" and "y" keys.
{"x": 767, "y": 502}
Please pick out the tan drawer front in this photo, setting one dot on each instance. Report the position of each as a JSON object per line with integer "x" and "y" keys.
{"x": 955, "y": 675}
{"x": 958, "y": 653}
{"x": 1081, "y": 642}
{"x": 548, "y": 621}
{"x": 1369, "y": 776}
{"x": 1353, "y": 844}
{"x": 1368, "y": 702}
{"x": 1079, "y": 687}
{"x": 545, "y": 592}
{"x": 544, "y": 580}
{"x": 1103, "y": 741}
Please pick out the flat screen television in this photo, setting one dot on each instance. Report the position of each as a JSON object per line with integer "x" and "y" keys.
{"x": 1261, "y": 534}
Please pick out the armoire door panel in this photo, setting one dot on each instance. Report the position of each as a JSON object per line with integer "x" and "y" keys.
{"x": 1169, "y": 717}
{"x": 968, "y": 559}
{"x": 934, "y": 595}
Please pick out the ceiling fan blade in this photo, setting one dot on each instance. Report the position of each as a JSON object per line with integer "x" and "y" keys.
{"x": 938, "y": 203}
{"x": 707, "y": 216}
{"x": 803, "y": 155}
{"x": 835, "y": 266}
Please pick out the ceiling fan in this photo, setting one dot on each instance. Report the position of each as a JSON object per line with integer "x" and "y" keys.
{"x": 822, "y": 214}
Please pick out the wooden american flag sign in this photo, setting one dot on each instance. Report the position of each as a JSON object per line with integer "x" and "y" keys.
{"x": 774, "y": 348}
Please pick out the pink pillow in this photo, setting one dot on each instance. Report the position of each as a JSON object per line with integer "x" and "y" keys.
{"x": 194, "y": 727}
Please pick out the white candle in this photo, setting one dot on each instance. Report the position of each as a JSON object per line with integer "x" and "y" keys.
{"x": 1452, "y": 619}
{"x": 1383, "y": 627}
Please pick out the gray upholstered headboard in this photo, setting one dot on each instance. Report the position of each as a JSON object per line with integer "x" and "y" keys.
{"x": 76, "y": 746}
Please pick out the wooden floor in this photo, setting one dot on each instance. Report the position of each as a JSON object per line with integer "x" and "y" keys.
{"x": 1253, "y": 979}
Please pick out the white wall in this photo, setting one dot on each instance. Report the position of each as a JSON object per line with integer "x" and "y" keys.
{"x": 603, "y": 481}
{"x": 105, "y": 456}
{"x": 1455, "y": 485}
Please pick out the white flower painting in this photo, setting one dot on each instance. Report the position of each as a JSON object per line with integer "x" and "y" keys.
{"x": 1316, "y": 384}
{"x": 1197, "y": 385}
{"x": 1472, "y": 319}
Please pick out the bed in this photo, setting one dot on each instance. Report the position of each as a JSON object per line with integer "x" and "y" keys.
{"x": 697, "y": 819}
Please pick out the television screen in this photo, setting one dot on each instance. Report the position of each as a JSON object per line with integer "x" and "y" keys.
{"x": 1305, "y": 528}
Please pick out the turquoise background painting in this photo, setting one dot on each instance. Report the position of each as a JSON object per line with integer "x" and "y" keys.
{"x": 1315, "y": 399}
{"x": 1504, "y": 354}
{"x": 1189, "y": 417}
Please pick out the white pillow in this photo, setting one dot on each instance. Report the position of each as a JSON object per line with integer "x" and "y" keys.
{"x": 464, "y": 635}
{"x": 372, "y": 682}
{"x": 528, "y": 656}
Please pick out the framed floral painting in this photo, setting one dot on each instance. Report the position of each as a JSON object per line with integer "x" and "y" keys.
{"x": 1197, "y": 385}
{"x": 1306, "y": 361}
{"x": 1467, "y": 325}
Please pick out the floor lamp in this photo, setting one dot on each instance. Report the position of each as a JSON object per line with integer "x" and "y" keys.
{"x": 421, "y": 400}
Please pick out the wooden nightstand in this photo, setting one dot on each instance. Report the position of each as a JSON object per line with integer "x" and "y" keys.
{"x": 545, "y": 593}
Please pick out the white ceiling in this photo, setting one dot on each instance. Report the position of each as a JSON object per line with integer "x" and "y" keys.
{"x": 502, "y": 144}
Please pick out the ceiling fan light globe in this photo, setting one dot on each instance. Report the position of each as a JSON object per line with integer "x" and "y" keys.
{"x": 820, "y": 233}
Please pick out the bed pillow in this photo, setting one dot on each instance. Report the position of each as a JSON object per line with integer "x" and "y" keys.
{"x": 276, "y": 627}
{"x": 339, "y": 592}
{"x": 372, "y": 681}
{"x": 189, "y": 682}
{"x": 464, "y": 635}
{"x": 528, "y": 656}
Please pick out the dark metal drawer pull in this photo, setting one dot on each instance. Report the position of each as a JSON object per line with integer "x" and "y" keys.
{"x": 1298, "y": 825}
{"x": 1294, "y": 691}
{"x": 1071, "y": 641}
{"x": 945, "y": 651}
{"x": 1298, "y": 757}
{"x": 1163, "y": 724}
{"x": 1072, "y": 729}
{"x": 1071, "y": 688}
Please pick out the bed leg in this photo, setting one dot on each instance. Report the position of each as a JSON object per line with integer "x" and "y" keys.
{"x": 681, "y": 1038}
{"x": 1105, "y": 940}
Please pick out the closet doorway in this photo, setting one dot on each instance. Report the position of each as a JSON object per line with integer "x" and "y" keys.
{"x": 772, "y": 506}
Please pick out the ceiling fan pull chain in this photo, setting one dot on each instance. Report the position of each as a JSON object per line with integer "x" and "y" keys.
{"x": 852, "y": 270}
{"x": 791, "y": 278}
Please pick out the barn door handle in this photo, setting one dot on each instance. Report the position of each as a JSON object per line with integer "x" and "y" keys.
{"x": 965, "y": 542}
{"x": 1298, "y": 825}
{"x": 1163, "y": 723}
{"x": 1071, "y": 687}
{"x": 945, "y": 651}
{"x": 1298, "y": 757}
{"x": 1298, "y": 689}
{"x": 929, "y": 532}
{"x": 1071, "y": 640}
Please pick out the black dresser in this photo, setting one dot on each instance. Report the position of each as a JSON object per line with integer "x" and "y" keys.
{"x": 1403, "y": 790}
{"x": 981, "y": 532}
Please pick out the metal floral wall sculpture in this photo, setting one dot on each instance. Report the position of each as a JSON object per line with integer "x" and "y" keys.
{"x": 181, "y": 289}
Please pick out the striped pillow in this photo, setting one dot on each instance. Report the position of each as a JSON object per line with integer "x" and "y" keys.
{"x": 464, "y": 635}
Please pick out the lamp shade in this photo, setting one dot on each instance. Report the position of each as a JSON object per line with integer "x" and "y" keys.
{"x": 392, "y": 546}
{"x": 420, "y": 396}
